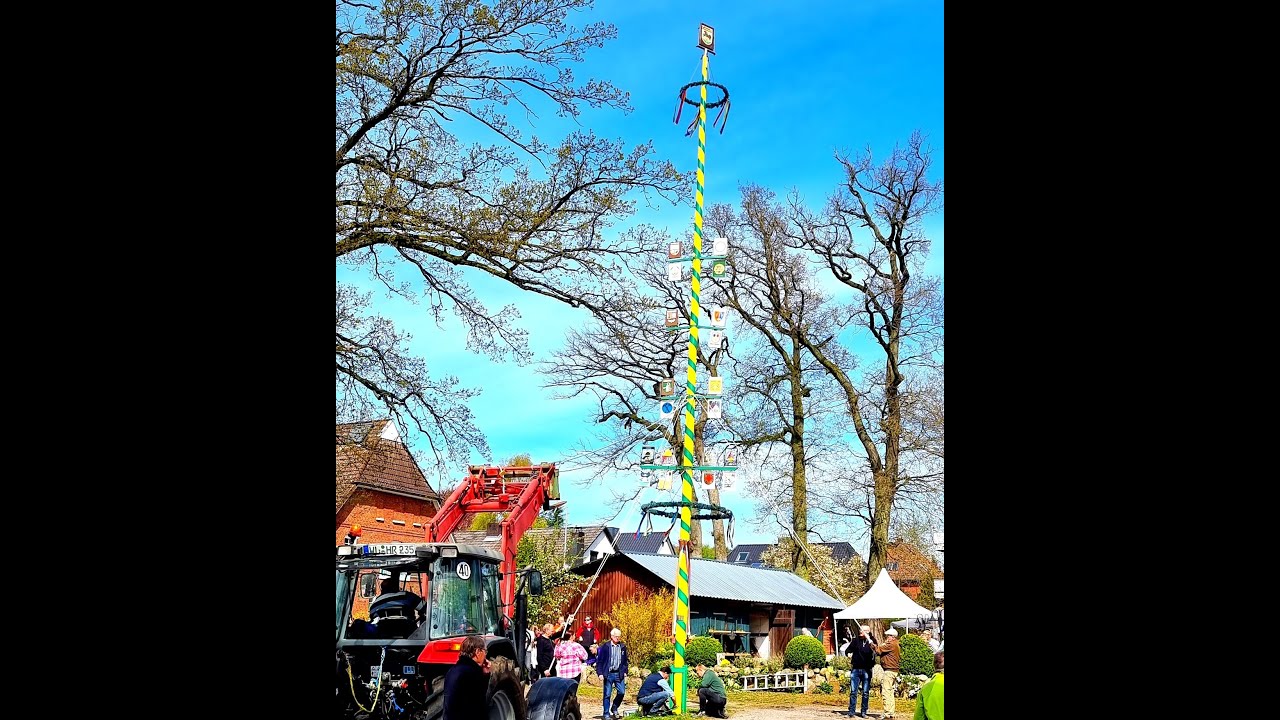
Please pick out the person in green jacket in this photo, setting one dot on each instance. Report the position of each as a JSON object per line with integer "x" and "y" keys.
{"x": 711, "y": 695}
{"x": 929, "y": 699}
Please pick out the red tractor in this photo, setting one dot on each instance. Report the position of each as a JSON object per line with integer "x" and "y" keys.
{"x": 425, "y": 597}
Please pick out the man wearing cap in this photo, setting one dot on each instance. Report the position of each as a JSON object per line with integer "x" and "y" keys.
{"x": 890, "y": 662}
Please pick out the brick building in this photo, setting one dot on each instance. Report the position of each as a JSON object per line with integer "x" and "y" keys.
{"x": 908, "y": 567}
{"x": 380, "y": 486}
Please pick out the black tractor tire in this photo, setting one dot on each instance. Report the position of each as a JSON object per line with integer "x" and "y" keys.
{"x": 433, "y": 709}
{"x": 554, "y": 699}
{"x": 505, "y": 698}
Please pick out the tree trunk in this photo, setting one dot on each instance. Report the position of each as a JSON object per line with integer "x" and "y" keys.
{"x": 799, "y": 489}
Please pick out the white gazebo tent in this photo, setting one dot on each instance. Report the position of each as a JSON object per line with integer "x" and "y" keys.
{"x": 883, "y": 600}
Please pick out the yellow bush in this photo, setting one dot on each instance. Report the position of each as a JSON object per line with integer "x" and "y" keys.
{"x": 645, "y": 622}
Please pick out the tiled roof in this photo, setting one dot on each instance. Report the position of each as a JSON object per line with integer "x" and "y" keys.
{"x": 366, "y": 459}
{"x": 912, "y": 564}
{"x": 651, "y": 542}
{"x": 713, "y": 579}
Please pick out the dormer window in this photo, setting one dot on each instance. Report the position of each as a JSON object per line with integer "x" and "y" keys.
{"x": 892, "y": 566}
{"x": 742, "y": 557}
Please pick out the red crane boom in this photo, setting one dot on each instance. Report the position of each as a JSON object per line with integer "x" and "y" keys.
{"x": 518, "y": 492}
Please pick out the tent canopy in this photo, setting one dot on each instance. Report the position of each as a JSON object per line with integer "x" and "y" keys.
{"x": 883, "y": 600}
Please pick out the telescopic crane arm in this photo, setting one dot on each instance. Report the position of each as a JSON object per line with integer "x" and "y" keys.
{"x": 520, "y": 493}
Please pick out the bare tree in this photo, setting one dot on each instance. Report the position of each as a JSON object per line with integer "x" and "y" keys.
{"x": 435, "y": 176}
{"x": 870, "y": 237}
{"x": 771, "y": 291}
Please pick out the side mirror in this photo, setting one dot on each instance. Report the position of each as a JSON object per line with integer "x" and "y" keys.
{"x": 535, "y": 582}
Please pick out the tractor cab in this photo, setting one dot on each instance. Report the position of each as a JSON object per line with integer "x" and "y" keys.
{"x": 416, "y": 592}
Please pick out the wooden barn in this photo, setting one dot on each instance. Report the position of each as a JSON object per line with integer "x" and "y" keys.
{"x": 751, "y": 610}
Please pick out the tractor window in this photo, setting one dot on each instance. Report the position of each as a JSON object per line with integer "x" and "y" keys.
{"x": 463, "y": 598}
{"x": 489, "y": 598}
{"x": 369, "y": 585}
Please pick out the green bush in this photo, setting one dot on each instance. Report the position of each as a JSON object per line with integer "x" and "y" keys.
{"x": 702, "y": 649}
{"x": 772, "y": 665}
{"x": 841, "y": 662}
{"x": 917, "y": 658}
{"x": 824, "y": 688}
{"x": 665, "y": 654}
{"x": 805, "y": 650}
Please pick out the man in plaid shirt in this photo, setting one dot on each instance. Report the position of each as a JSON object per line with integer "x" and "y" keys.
{"x": 569, "y": 657}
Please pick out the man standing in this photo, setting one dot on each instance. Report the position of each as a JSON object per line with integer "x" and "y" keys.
{"x": 587, "y": 638}
{"x": 587, "y": 635}
{"x": 546, "y": 651}
{"x": 862, "y": 657}
{"x": 611, "y": 664}
{"x": 890, "y": 661}
{"x": 465, "y": 685}
{"x": 711, "y": 695}
{"x": 929, "y": 700}
{"x": 652, "y": 694}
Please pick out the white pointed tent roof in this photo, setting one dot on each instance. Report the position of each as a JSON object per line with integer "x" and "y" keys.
{"x": 883, "y": 600}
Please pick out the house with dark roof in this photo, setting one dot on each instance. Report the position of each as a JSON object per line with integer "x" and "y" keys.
{"x": 650, "y": 543}
{"x": 750, "y": 610}
{"x": 380, "y": 486}
{"x": 586, "y": 542}
{"x": 749, "y": 555}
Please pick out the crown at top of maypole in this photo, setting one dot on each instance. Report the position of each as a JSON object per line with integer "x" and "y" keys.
{"x": 707, "y": 42}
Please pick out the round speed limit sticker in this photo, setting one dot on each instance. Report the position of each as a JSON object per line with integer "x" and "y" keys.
{"x": 464, "y": 570}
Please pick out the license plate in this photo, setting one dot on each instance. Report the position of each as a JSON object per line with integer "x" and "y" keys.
{"x": 409, "y": 670}
{"x": 390, "y": 549}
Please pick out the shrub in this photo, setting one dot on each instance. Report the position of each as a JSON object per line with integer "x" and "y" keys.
{"x": 645, "y": 622}
{"x": 773, "y": 664}
{"x": 702, "y": 649}
{"x": 842, "y": 662}
{"x": 805, "y": 650}
{"x": 917, "y": 658}
{"x": 824, "y": 687}
{"x": 665, "y": 653}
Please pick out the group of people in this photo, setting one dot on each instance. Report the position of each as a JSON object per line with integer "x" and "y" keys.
{"x": 862, "y": 652}
{"x": 577, "y": 655}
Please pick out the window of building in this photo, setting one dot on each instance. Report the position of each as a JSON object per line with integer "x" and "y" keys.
{"x": 742, "y": 557}
{"x": 892, "y": 566}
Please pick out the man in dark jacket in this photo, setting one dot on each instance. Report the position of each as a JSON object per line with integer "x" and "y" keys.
{"x": 466, "y": 684}
{"x": 611, "y": 664}
{"x": 546, "y": 651}
{"x": 862, "y": 657}
{"x": 653, "y": 696}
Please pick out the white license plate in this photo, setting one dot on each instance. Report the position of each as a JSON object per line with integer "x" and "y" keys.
{"x": 391, "y": 549}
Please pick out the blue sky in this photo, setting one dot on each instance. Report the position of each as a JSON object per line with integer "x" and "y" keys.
{"x": 806, "y": 79}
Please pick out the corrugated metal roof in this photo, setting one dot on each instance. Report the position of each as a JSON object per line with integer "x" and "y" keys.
{"x": 711, "y": 579}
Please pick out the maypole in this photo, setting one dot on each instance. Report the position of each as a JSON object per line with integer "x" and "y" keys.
{"x": 706, "y": 41}
{"x": 686, "y": 510}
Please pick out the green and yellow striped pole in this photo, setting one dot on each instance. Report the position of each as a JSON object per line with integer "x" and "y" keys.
{"x": 680, "y": 672}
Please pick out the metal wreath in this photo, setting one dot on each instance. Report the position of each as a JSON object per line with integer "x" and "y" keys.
{"x": 684, "y": 98}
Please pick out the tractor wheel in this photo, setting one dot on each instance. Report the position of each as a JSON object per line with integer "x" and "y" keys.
{"x": 506, "y": 694}
{"x": 434, "y": 707}
{"x": 554, "y": 699}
